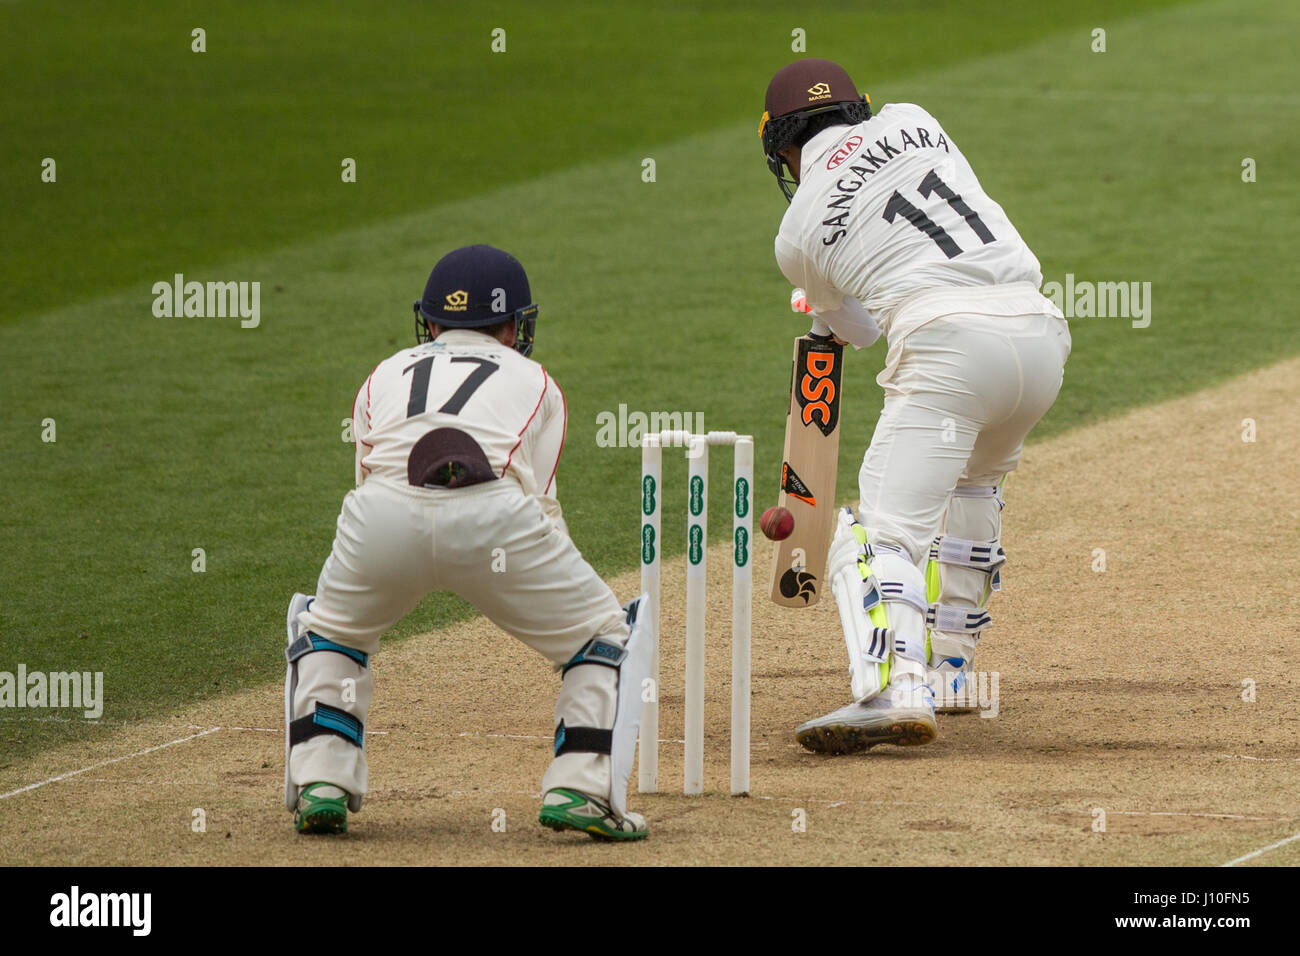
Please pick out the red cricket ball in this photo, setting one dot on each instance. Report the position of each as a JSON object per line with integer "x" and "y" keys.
{"x": 777, "y": 523}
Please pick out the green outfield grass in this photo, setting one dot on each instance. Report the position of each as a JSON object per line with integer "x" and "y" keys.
{"x": 176, "y": 434}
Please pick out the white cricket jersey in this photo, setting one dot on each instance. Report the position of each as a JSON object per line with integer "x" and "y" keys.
{"x": 467, "y": 380}
{"x": 889, "y": 213}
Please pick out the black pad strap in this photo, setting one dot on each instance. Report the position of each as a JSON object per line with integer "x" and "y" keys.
{"x": 597, "y": 651}
{"x": 327, "y": 720}
{"x": 587, "y": 740}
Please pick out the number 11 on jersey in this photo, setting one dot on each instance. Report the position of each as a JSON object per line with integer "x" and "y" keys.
{"x": 933, "y": 185}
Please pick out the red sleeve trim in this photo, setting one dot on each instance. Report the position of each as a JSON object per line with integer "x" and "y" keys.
{"x": 355, "y": 439}
{"x": 546, "y": 379}
{"x": 370, "y": 379}
{"x": 564, "y": 433}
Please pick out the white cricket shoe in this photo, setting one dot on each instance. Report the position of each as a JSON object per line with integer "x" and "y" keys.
{"x": 567, "y": 809}
{"x": 902, "y": 714}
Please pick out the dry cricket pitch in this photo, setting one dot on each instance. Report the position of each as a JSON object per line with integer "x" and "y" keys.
{"x": 1121, "y": 692}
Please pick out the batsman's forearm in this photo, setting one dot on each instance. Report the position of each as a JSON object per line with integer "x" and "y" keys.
{"x": 851, "y": 322}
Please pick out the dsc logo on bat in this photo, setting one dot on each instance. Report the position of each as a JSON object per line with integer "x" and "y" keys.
{"x": 818, "y": 389}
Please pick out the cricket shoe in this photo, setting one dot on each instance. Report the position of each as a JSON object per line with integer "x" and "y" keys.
{"x": 902, "y": 714}
{"x": 565, "y": 809}
{"x": 322, "y": 808}
{"x": 953, "y": 680}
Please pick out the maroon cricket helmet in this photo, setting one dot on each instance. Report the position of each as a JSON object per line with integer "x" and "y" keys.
{"x": 804, "y": 98}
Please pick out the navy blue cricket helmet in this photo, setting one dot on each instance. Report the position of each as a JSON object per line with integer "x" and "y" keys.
{"x": 474, "y": 287}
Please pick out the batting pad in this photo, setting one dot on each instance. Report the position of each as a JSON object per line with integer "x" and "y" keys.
{"x": 585, "y": 713}
{"x": 627, "y": 717}
{"x": 852, "y": 587}
{"x": 298, "y": 604}
{"x": 963, "y": 572}
{"x": 328, "y": 688}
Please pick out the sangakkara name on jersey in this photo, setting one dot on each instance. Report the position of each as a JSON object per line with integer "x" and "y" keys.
{"x": 838, "y": 207}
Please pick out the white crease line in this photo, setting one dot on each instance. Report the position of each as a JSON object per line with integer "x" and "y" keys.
{"x": 446, "y": 734}
{"x": 435, "y": 792}
{"x": 1260, "y": 759}
{"x": 280, "y": 730}
{"x": 52, "y": 719}
{"x": 422, "y": 733}
{"x": 892, "y": 803}
{"x": 1262, "y": 850}
{"x": 476, "y": 733}
{"x": 413, "y": 733}
{"x": 830, "y": 804}
{"x": 105, "y": 763}
{"x": 1186, "y": 813}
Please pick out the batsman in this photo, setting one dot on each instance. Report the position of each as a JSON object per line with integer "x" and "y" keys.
{"x": 888, "y": 232}
{"x": 458, "y": 440}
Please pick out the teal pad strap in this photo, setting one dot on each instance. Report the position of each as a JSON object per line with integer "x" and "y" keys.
{"x": 310, "y": 642}
{"x": 327, "y": 720}
{"x": 597, "y": 651}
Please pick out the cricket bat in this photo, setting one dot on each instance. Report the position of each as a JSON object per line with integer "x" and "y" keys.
{"x": 808, "y": 465}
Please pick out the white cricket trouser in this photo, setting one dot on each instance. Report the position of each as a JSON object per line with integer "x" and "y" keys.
{"x": 966, "y": 391}
{"x": 496, "y": 548}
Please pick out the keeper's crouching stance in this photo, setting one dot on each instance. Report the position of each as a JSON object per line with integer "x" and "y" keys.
{"x": 458, "y": 440}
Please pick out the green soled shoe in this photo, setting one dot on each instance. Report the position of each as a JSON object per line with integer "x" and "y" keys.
{"x": 564, "y": 809}
{"x": 322, "y": 808}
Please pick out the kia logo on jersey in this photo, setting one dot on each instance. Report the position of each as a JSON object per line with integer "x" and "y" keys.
{"x": 844, "y": 152}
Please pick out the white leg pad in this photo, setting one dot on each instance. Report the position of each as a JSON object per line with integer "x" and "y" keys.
{"x": 902, "y": 606}
{"x": 868, "y": 646}
{"x": 627, "y": 719}
{"x": 338, "y": 682}
{"x": 881, "y": 600}
{"x": 964, "y": 571}
{"x": 587, "y": 708}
